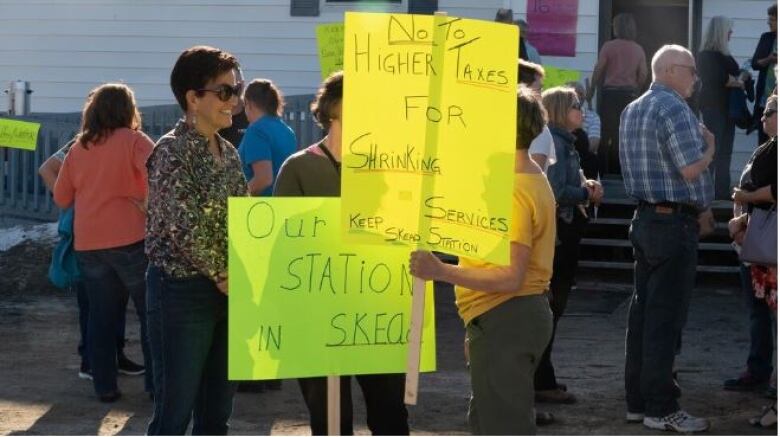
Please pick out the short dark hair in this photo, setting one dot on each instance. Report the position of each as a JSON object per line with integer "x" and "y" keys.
{"x": 504, "y": 15}
{"x": 110, "y": 106}
{"x": 772, "y": 11}
{"x": 196, "y": 67}
{"x": 531, "y": 117}
{"x": 527, "y": 72}
{"x": 328, "y": 99}
{"x": 265, "y": 96}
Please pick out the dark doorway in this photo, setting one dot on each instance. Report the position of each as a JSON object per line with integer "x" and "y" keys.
{"x": 658, "y": 22}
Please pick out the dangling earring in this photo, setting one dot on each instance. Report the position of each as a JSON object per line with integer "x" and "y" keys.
{"x": 193, "y": 119}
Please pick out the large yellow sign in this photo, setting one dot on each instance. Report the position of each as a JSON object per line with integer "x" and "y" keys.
{"x": 429, "y": 133}
{"x": 303, "y": 303}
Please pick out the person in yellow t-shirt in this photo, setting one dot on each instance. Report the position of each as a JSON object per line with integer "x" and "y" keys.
{"x": 505, "y": 308}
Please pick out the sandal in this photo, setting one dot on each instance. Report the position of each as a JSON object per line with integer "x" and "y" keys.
{"x": 767, "y": 419}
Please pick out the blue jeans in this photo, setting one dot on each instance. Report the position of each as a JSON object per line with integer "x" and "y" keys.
{"x": 110, "y": 276}
{"x": 188, "y": 337}
{"x": 759, "y": 362}
{"x": 665, "y": 258}
{"x": 723, "y": 128}
{"x": 83, "y": 301}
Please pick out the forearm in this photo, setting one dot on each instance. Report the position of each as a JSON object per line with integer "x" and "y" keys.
{"x": 761, "y": 195}
{"x": 570, "y": 195}
{"x": 490, "y": 280}
{"x": 258, "y": 184}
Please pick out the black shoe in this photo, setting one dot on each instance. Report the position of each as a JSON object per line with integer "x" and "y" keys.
{"x": 273, "y": 384}
{"x": 125, "y": 366}
{"x": 110, "y": 397}
{"x": 250, "y": 387}
{"x": 745, "y": 382}
{"x": 85, "y": 372}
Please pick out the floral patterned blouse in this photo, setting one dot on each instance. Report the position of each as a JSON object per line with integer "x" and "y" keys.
{"x": 186, "y": 225}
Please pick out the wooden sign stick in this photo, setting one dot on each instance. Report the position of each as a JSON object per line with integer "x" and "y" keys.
{"x": 334, "y": 405}
{"x": 415, "y": 329}
{"x": 415, "y": 337}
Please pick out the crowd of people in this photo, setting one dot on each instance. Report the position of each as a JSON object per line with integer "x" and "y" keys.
{"x": 149, "y": 224}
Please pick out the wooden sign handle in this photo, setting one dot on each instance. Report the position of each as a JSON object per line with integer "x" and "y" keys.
{"x": 415, "y": 337}
{"x": 334, "y": 405}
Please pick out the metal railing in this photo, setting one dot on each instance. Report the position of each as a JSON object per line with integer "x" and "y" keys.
{"x": 22, "y": 192}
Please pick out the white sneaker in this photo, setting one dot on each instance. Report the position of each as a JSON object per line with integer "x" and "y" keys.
{"x": 634, "y": 417}
{"x": 679, "y": 421}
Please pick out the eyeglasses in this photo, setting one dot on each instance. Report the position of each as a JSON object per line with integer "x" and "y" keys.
{"x": 690, "y": 68}
{"x": 225, "y": 92}
{"x": 577, "y": 106}
{"x": 770, "y": 112}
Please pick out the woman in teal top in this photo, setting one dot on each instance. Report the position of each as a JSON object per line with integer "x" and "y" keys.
{"x": 268, "y": 140}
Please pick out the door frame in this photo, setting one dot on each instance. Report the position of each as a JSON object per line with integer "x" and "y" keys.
{"x": 694, "y": 23}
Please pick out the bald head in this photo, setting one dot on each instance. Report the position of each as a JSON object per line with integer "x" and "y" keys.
{"x": 673, "y": 65}
{"x": 668, "y": 56}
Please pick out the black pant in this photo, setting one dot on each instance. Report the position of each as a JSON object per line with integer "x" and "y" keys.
{"x": 384, "y": 396}
{"x": 567, "y": 254}
{"x": 613, "y": 102}
{"x": 723, "y": 127}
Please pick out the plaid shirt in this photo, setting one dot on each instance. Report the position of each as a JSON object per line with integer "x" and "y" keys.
{"x": 659, "y": 136}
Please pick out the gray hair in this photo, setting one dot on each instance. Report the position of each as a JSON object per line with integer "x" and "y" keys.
{"x": 717, "y": 35}
{"x": 666, "y": 56}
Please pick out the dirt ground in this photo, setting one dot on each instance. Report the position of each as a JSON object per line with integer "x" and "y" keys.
{"x": 40, "y": 392}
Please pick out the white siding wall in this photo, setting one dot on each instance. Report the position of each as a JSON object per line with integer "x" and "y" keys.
{"x": 587, "y": 27}
{"x": 65, "y": 48}
{"x": 749, "y": 23}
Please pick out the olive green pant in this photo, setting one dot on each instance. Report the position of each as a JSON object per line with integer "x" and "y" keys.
{"x": 505, "y": 346}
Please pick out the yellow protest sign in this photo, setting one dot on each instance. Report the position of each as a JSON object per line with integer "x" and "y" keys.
{"x": 330, "y": 47}
{"x": 428, "y": 138}
{"x": 554, "y": 76}
{"x": 18, "y": 134}
{"x": 302, "y": 303}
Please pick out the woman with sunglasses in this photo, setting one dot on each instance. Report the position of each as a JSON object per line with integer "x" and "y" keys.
{"x": 192, "y": 172}
{"x": 758, "y": 190}
{"x": 564, "y": 111}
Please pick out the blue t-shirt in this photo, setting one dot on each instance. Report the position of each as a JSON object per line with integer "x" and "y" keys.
{"x": 267, "y": 139}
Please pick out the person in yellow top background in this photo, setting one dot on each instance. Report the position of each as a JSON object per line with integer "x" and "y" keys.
{"x": 505, "y": 308}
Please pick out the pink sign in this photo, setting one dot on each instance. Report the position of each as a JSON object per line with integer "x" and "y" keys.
{"x": 553, "y": 26}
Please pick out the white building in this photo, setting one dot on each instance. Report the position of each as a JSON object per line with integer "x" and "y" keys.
{"x": 66, "y": 47}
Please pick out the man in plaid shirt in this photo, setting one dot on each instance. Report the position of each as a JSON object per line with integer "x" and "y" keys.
{"x": 664, "y": 155}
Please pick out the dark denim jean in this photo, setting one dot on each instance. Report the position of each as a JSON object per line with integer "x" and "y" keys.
{"x": 110, "y": 276}
{"x": 81, "y": 297}
{"x": 665, "y": 257}
{"x": 188, "y": 336}
{"x": 759, "y": 362}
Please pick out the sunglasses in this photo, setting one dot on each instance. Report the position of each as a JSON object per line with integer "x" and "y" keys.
{"x": 770, "y": 112}
{"x": 225, "y": 92}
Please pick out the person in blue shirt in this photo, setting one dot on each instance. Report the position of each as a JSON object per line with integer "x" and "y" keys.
{"x": 268, "y": 140}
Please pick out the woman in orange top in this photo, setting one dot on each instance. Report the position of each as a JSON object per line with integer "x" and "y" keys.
{"x": 104, "y": 175}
